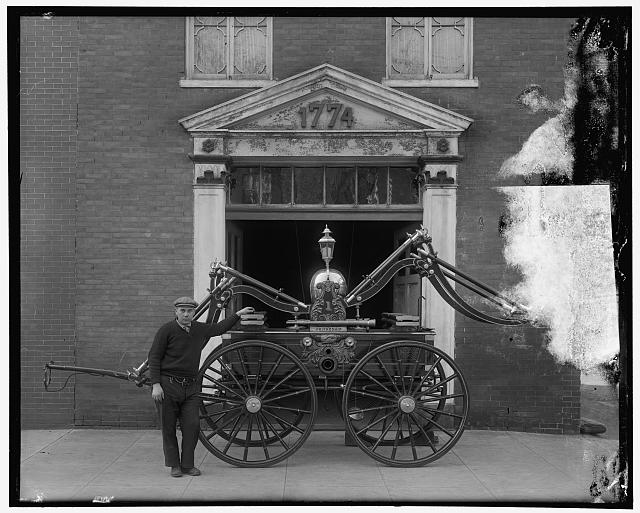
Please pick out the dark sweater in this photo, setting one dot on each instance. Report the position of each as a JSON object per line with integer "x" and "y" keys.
{"x": 177, "y": 353}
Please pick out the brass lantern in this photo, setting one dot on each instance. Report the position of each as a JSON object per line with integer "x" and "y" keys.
{"x": 327, "y": 242}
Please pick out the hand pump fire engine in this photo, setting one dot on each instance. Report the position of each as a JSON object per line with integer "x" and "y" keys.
{"x": 404, "y": 402}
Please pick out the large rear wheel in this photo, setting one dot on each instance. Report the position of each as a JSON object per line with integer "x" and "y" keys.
{"x": 405, "y": 403}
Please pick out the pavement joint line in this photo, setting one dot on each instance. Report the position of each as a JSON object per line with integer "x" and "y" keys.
{"x": 474, "y": 474}
{"x": 521, "y": 442}
{"x": 104, "y": 469}
{"x": 284, "y": 484}
{"x": 379, "y": 468}
{"x": 189, "y": 481}
{"x": 570, "y": 475}
{"x": 45, "y": 446}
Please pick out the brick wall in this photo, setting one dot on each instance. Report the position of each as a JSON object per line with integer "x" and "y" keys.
{"x": 525, "y": 388}
{"x": 354, "y": 44}
{"x": 48, "y": 137}
{"x": 134, "y": 199}
{"x": 135, "y": 204}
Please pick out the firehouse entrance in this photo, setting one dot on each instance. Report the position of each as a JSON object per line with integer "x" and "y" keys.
{"x": 273, "y": 166}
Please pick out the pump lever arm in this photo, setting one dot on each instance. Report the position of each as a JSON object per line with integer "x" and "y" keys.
{"x": 417, "y": 237}
{"x": 262, "y": 291}
{"x": 470, "y": 283}
{"x": 429, "y": 266}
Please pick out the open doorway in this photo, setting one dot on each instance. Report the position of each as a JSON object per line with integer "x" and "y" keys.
{"x": 285, "y": 254}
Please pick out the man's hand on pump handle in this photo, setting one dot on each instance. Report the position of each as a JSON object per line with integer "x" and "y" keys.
{"x": 156, "y": 390}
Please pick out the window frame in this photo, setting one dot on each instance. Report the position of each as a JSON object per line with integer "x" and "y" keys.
{"x": 192, "y": 79}
{"x": 292, "y": 168}
{"x": 427, "y": 79}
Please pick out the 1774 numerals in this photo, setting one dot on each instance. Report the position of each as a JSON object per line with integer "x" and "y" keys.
{"x": 314, "y": 109}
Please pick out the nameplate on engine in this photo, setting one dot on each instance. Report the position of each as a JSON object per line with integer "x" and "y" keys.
{"x": 327, "y": 328}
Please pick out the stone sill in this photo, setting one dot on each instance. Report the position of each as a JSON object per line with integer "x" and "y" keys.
{"x": 206, "y": 83}
{"x": 453, "y": 82}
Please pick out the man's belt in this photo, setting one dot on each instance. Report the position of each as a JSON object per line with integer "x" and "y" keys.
{"x": 185, "y": 382}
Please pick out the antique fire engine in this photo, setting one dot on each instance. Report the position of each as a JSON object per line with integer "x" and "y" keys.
{"x": 404, "y": 402}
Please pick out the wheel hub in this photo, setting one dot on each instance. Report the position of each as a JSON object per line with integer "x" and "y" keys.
{"x": 407, "y": 404}
{"x": 253, "y": 404}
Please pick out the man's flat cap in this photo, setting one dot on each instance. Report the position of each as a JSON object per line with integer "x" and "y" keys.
{"x": 185, "y": 301}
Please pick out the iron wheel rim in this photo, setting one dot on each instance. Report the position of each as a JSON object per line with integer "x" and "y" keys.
{"x": 387, "y": 430}
{"x": 249, "y": 425}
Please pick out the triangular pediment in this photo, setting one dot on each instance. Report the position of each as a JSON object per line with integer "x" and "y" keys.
{"x": 326, "y": 98}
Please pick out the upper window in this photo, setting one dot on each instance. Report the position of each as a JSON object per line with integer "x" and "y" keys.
{"x": 430, "y": 52}
{"x": 228, "y": 51}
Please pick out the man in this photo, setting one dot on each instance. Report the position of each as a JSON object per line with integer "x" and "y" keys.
{"x": 174, "y": 359}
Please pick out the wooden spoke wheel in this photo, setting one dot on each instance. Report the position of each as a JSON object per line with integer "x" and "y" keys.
{"x": 405, "y": 403}
{"x": 259, "y": 403}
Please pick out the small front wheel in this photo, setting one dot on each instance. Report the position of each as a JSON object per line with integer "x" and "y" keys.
{"x": 405, "y": 403}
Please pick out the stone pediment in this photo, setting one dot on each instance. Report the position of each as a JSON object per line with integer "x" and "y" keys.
{"x": 326, "y": 99}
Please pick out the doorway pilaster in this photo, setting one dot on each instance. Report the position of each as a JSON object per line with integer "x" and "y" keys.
{"x": 209, "y": 200}
{"x": 439, "y": 218}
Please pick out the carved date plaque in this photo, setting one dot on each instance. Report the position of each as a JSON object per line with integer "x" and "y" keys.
{"x": 337, "y": 114}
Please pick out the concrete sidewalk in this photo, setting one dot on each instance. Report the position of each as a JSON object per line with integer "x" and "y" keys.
{"x": 127, "y": 465}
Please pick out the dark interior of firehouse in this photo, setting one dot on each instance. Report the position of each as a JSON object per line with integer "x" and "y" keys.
{"x": 285, "y": 254}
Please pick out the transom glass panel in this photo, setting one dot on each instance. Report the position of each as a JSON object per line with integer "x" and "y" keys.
{"x": 323, "y": 186}
{"x": 340, "y": 183}
{"x": 307, "y": 185}
{"x": 372, "y": 185}
{"x": 245, "y": 186}
{"x": 276, "y": 185}
{"x": 402, "y": 190}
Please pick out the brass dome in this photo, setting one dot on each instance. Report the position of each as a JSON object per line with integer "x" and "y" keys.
{"x": 334, "y": 276}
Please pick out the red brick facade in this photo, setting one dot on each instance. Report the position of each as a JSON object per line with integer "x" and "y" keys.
{"x": 107, "y": 201}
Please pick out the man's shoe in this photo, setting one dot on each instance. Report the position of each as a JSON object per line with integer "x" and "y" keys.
{"x": 176, "y": 472}
{"x": 193, "y": 471}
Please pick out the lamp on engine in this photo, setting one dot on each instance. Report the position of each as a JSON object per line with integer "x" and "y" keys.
{"x": 327, "y": 242}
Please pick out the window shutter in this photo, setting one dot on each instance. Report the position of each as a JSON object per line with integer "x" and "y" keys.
{"x": 407, "y": 47}
{"x": 209, "y": 38}
{"x": 448, "y": 47}
{"x": 250, "y": 47}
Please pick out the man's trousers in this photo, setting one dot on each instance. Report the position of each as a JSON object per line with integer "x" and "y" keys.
{"x": 180, "y": 402}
